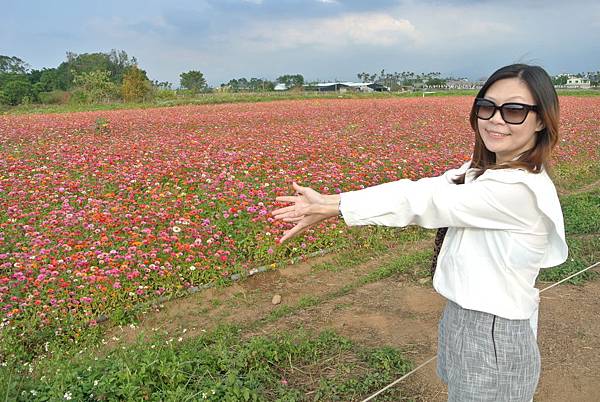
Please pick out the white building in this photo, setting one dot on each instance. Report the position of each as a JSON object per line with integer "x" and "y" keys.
{"x": 348, "y": 86}
{"x": 576, "y": 82}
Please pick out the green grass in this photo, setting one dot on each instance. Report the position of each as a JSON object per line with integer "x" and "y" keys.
{"x": 576, "y": 174}
{"x": 578, "y": 92}
{"x": 582, "y": 212}
{"x": 364, "y": 243}
{"x": 583, "y": 252}
{"x": 218, "y": 366}
{"x": 582, "y": 226}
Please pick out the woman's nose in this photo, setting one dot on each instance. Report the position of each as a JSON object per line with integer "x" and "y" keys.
{"x": 497, "y": 117}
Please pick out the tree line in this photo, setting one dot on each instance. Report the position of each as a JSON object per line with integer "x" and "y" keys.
{"x": 87, "y": 78}
{"x": 115, "y": 76}
{"x": 108, "y": 77}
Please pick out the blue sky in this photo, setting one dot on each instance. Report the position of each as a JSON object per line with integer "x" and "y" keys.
{"x": 321, "y": 39}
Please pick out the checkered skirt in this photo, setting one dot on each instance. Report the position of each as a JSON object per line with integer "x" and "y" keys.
{"x": 483, "y": 357}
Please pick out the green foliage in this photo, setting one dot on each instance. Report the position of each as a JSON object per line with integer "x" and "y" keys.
{"x": 245, "y": 85}
{"x": 94, "y": 86}
{"x": 218, "y": 366}
{"x": 582, "y": 212}
{"x": 55, "y": 97}
{"x": 116, "y": 62}
{"x": 436, "y": 82}
{"x": 560, "y": 79}
{"x": 582, "y": 226}
{"x": 291, "y": 80}
{"x": 163, "y": 85}
{"x": 164, "y": 94}
{"x": 46, "y": 80}
{"x": 23, "y": 88}
{"x": 136, "y": 85}
{"x": 16, "y": 88}
{"x": 101, "y": 126}
{"x": 578, "y": 172}
{"x": 12, "y": 64}
{"x": 193, "y": 81}
{"x": 583, "y": 252}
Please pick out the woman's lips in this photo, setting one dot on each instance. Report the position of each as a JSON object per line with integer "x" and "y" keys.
{"x": 496, "y": 134}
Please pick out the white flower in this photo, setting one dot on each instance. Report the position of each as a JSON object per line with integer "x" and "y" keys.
{"x": 33, "y": 392}
{"x": 176, "y": 229}
{"x": 68, "y": 396}
{"x": 192, "y": 268}
{"x": 96, "y": 383}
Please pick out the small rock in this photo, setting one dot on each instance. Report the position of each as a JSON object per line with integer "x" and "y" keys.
{"x": 276, "y": 299}
{"x": 424, "y": 281}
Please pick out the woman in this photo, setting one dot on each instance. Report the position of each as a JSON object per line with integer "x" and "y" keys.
{"x": 504, "y": 223}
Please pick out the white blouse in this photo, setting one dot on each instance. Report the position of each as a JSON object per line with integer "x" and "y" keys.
{"x": 503, "y": 227}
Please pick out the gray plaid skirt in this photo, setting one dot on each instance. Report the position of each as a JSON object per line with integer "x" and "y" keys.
{"x": 483, "y": 357}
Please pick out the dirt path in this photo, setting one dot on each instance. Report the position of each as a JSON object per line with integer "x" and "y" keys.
{"x": 394, "y": 311}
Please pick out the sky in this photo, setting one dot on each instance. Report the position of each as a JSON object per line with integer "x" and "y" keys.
{"x": 324, "y": 40}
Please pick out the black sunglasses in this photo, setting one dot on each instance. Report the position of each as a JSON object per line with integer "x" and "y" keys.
{"x": 511, "y": 112}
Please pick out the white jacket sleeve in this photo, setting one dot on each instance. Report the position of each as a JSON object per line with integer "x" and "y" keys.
{"x": 487, "y": 204}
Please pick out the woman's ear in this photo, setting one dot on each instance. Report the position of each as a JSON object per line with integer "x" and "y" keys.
{"x": 540, "y": 125}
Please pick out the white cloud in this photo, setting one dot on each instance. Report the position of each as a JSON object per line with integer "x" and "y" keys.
{"x": 375, "y": 29}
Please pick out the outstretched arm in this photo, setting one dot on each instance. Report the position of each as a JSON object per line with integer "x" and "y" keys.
{"x": 309, "y": 208}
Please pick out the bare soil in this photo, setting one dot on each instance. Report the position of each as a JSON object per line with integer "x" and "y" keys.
{"x": 395, "y": 311}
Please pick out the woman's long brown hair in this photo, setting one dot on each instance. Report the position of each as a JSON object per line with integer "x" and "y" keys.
{"x": 535, "y": 159}
{"x": 544, "y": 96}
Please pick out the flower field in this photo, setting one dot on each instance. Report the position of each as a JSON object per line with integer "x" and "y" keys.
{"x": 103, "y": 210}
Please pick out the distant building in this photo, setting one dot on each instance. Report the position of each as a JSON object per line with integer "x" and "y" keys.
{"x": 347, "y": 87}
{"x": 576, "y": 82}
{"x": 280, "y": 87}
{"x": 463, "y": 84}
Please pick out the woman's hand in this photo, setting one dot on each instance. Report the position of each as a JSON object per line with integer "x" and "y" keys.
{"x": 309, "y": 208}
